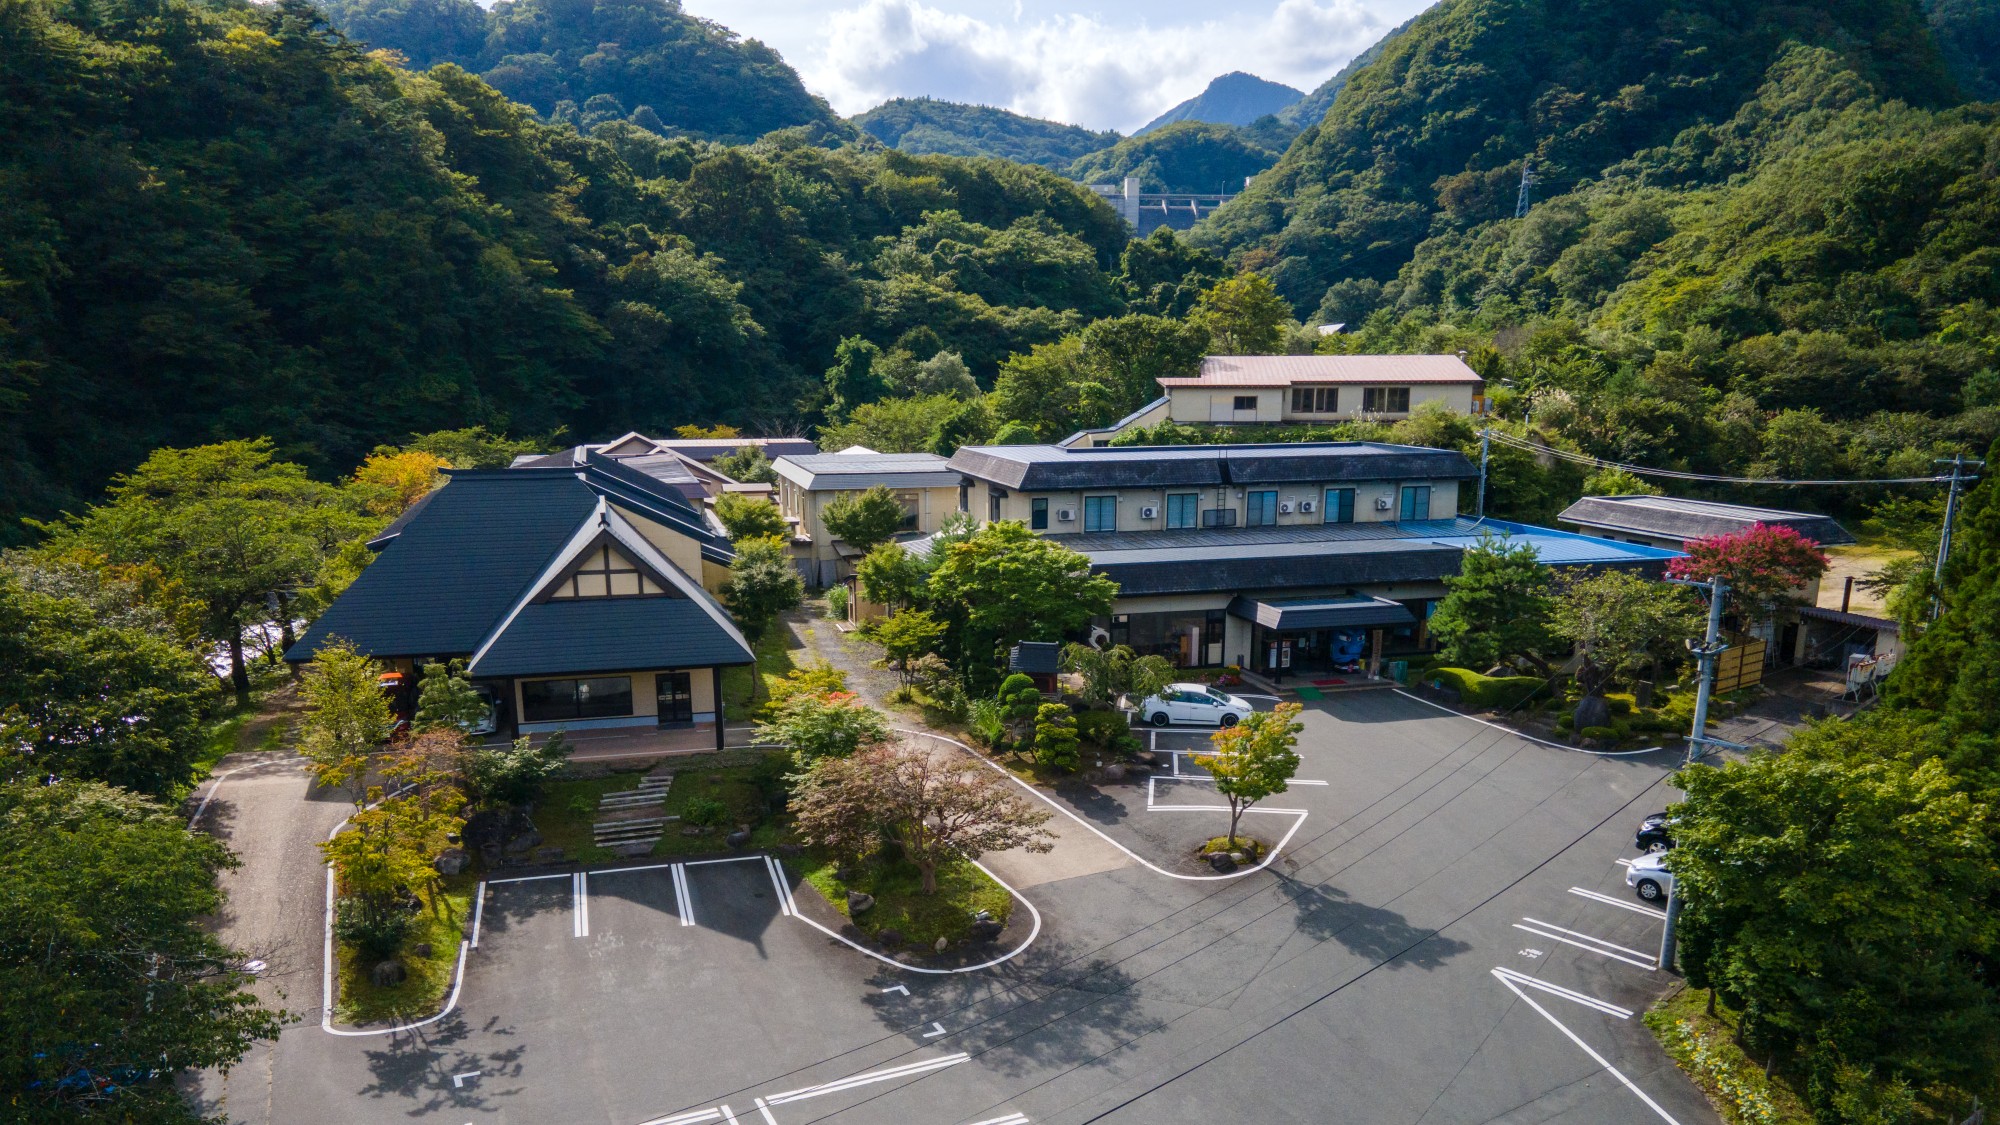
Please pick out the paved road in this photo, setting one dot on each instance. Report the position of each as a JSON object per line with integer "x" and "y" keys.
{"x": 1353, "y": 981}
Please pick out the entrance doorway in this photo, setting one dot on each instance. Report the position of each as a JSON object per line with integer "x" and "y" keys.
{"x": 676, "y": 698}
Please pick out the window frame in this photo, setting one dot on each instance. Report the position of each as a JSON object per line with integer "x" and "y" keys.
{"x": 1337, "y": 506}
{"x": 1388, "y": 400}
{"x": 1259, "y": 503}
{"x": 1099, "y": 505}
{"x": 579, "y": 703}
{"x": 1239, "y": 400}
{"x": 1038, "y": 514}
{"x": 1316, "y": 400}
{"x": 1189, "y": 504}
{"x": 1405, "y": 506}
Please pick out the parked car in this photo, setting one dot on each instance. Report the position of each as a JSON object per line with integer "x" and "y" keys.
{"x": 1649, "y": 876}
{"x": 1656, "y": 833}
{"x": 1194, "y": 703}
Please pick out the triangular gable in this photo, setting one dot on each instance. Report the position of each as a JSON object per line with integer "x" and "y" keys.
{"x": 603, "y": 569}
{"x": 630, "y": 445}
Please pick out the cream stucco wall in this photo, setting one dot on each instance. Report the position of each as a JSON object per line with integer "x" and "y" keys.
{"x": 1131, "y": 501}
{"x": 1218, "y": 404}
{"x": 933, "y": 505}
{"x": 680, "y": 550}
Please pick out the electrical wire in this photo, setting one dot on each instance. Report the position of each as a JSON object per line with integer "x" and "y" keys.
{"x": 1674, "y": 474}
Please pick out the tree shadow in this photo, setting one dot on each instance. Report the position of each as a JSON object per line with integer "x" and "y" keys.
{"x": 417, "y": 1066}
{"x": 1382, "y": 936}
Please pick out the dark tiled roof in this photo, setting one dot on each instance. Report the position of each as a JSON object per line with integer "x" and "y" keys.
{"x": 1042, "y": 468}
{"x": 608, "y": 635}
{"x": 863, "y": 470}
{"x": 1321, "y": 613}
{"x": 1857, "y": 620}
{"x": 440, "y": 586}
{"x": 1671, "y": 517}
{"x": 1035, "y": 657}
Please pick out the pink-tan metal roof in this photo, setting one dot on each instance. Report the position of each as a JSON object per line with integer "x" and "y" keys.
{"x": 1285, "y": 370}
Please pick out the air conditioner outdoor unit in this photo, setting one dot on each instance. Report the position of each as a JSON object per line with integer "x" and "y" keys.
{"x": 1307, "y": 505}
{"x": 1381, "y": 503}
{"x": 1068, "y": 515}
{"x": 1148, "y": 513}
{"x": 1285, "y": 508}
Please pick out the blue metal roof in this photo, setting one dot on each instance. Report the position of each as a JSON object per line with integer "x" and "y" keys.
{"x": 1560, "y": 548}
{"x": 578, "y": 635}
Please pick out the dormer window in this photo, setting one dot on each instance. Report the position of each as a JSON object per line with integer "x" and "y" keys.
{"x": 605, "y": 572}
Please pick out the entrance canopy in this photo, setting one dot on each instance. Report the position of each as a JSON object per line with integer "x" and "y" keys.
{"x": 1321, "y": 613}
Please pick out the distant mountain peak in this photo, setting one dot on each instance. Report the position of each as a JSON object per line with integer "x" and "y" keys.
{"x": 1235, "y": 98}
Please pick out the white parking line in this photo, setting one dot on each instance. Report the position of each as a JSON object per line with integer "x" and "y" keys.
{"x": 478, "y": 912}
{"x": 683, "y": 901}
{"x": 1586, "y": 937}
{"x": 1622, "y": 861}
{"x": 579, "y": 915}
{"x": 1619, "y": 903}
{"x": 778, "y": 886}
{"x": 729, "y": 1115}
{"x": 765, "y": 1111}
{"x": 725, "y": 859}
{"x": 907, "y": 1070}
{"x": 1648, "y": 965}
{"x": 526, "y": 878}
{"x": 1010, "y": 1119}
{"x": 902, "y": 988}
{"x": 936, "y": 1030}
{"x": 1600, "y": 1059}
{"x": 693, "y": 1117}
{"x": 458, "y": 1080}
{"x": 622, "y": 870}
{"x": 1605, "y": 1006}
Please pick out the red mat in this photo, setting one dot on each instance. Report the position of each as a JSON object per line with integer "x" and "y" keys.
{"x": 1328, "y": 683}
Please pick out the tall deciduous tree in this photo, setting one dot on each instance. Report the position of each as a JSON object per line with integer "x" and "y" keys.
{"x": 446, "y": 700}
{"x": 891, "y": 575}
{"x": 908, "y": 635}
{"x": 346, "y": 718}
{"x": 1764, "y": 564}
{"x": 1243, "y": 315}
{"x": 1496, "y": 606}
{"x": 749, "y": 517}
{"x": 390, "y": 480}
{"x": 1620, "y": 623}
{"x": 114, "y": 986}
{"x": 1006, "y": 584}
{"x": 823, "y": 724}
{"x": 762, "y": 584}
{"x": 852, "y": 380}
{"x": 934, "y": 803}
{"x": 865, "y": 518}
{"x": 1255, "y": 759}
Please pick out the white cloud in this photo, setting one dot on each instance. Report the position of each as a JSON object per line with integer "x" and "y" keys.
{"x": 1071, "y": 67}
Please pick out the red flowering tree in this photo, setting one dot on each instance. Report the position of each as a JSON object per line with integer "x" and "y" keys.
{"x": 1763, "y": 564}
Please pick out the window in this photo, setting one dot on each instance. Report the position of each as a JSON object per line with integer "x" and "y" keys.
{"x": 1183, "y": 509}
{"x": 912, "y": 505}
{"x": 1246, "y": 402}
{"x": 553, "y": 701}
{"x": 1038, "y": 513}
{"x": 1339, "y": 505}
{"x": 1416, "y": 502}
{"x": 1386, "y": 400}
{"x": 1218, "y": 517}
{"x": 605, "y": 573}
{"x": 1260, "y": 509}
{"x": 1315, "y": 400}
{"x": 1100, "y": 513}
{"x": 993, "y": 498}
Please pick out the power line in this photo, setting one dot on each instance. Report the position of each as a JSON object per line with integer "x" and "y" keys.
{"x": 1708, "y": 478}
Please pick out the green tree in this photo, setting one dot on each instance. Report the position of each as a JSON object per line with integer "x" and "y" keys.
{"x": 932, "y": 802}
{"x": 1006, "y": 584}
{"x": 893, "y": 425}
{"x": 1495, "y": 607}
{"x": 1617, "y": 482}
{"x": 514, "y": 773}
{"x": 1620, "y": 624}
{"x": 346, "y": 717}
{"x": 892, "y": 576}
{"x": 906, "y": 636}
{"x": 1243, "y": 315}
{"x": 474, "y": 447}
{"x": 1052, "y": 392}
{"x": 107, "y": 960}
{"x": 1254, "y": 759}
{"x": 1130, "y": 354}
{"x": 1020, "y": 703}
{"x": 852, "y": 380}
{"x": 226, "y": 522}
{"x": 446, "y": 700}
{"x": 750, "y": 517}
{"x": 1055, "y": 737}
{"x": 864, "y": 518}
{"x": 762, "y": 584}
{"x": 822, "y": 724}
{"x": 98, "y": 700}
{"x": 748, "y": 465}
{"x": 1111, "y": 672}
{"x": 970, "y": 424}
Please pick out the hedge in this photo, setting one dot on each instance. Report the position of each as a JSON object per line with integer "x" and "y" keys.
{"x": 1476, "y": 690}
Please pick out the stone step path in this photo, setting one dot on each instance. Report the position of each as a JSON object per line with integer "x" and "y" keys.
{"x": 622, "y": 824}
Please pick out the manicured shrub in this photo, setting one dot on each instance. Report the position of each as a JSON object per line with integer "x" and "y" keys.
{"x": 1055, "y": 737}
{"x": 704, "y": 812}
{"x": 1602, "y": 734}
{"x": 375, "y": 930}
{"x": 836, "y": 603}
{"x": 1476, "y": 690}
{"x": 1105, "y": 730}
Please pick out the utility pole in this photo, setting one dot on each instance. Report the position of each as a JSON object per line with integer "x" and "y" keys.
{"x": 1958, "y": 462}
{"x": 1485, "y": 451}
{"x": 1706, "y": 655}
{"x": 1527, "y": 181}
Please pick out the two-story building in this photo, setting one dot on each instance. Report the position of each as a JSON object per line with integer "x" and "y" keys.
{"x": 1274, "y": 557}
{"x": 925, "y": 484}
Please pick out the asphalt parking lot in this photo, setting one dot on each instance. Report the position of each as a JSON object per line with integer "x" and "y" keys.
{"x": 1445, "y": 937}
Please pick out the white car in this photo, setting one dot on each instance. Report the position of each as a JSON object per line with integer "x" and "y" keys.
{"x": 1649, "y": 876}
{"x": 1194, "y": 703}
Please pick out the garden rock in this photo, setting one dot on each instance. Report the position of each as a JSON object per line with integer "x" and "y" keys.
{"x": 548, "y": 855}
{"x": 985, "y": 930}
{"x": 424, "y": 950}
{"x": 1114, "y": 772}
{"x": 942, "y": 945}
{"x": 1591, "y": 711}
{"x": 489, "y": 852}
{"x": 738, "y": 838}
{"x": 1221, "y": 862}
{"x": 451, "y": 861}
{"x": 691, "y": 830}
{"x": 1238, "y": 857}
{"x": 388, "y": 974}
{"x": 890, "y": 937}
{"x": 524, "y": 842}
{"x": 791, "y": 851}
{"x": 859, "y": 902}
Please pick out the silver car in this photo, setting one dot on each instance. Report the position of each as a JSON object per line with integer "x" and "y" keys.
{"x": 1194, "y": 703}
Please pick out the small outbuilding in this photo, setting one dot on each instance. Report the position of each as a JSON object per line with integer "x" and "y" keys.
{"x": 1040, "y": 661}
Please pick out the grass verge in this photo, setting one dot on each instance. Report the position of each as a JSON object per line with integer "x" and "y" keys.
{"x": 744, "y": 781}
{"x": 356, "y": 997}
{"x": 774, "y": 658}
{"x": 567, "y": 811}
{"x": 1705, "y": 1047}
{"x": 900, "y": 903}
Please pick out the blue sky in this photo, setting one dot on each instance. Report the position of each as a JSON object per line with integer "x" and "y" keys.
{"x": 1113, "y": 67}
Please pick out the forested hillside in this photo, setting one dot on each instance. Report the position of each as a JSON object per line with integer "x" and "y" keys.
{"x": 225, "y": 221}
{"x": 1186, "y": 156}
{"x": 587, "y": 61}
{"x": 1235, "y": 98}
{"x": 929, "y": 125}
{"x": 1762, "y": 239}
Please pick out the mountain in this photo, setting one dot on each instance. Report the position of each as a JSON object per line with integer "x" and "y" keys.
{"x": 248, "y": 227}
{"x": 1309, "y": 109}
{"x": 589, "y": 61}
{"x": 1235, "y": 98}
{"x": 1190, "y": 156}
{"x": 927, "y": 125}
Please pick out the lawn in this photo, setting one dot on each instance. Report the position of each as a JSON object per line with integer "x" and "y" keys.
{"x": 900, "y": 903}
{"x": 774, "y": 658}
{"x": 743, "y": 780}
{"x": 358, "y": 1000}
{"x": 567, "y": 811}
{"x": 1705, "y": 1047}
